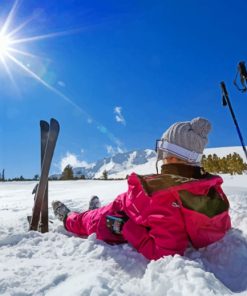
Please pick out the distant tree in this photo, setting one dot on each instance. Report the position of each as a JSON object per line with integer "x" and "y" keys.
{"x": 21, "y": 178}
{"x": 36, "y": 177}
{"x": 237, "y": 163}
{"x": 207, "y": 163}
{"x": 105, "y": 175}
{"x": 67, "y": 173}
{"x": 215, "y": 163}
{"x": 230, "y": 164}
{"x": 223, "y": 165}
{"x": 3, "y": 175}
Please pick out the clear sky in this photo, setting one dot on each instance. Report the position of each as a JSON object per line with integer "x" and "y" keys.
{"x": 115, "y": 74}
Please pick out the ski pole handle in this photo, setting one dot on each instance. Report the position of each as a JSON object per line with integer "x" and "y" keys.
{"x": 242, "y": 70}
{"x": 223, "y": 87}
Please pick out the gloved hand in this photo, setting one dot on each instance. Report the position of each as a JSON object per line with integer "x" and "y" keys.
{"x": 115, "y": 224}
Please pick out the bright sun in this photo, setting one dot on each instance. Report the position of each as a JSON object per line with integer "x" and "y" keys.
{"x": 5, "y": 42}
{"x": 11, "y": 45}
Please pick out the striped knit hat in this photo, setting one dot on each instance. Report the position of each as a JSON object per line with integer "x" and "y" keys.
{"x": 185, "y": 140}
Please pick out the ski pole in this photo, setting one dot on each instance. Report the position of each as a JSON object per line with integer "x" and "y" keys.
{"x": 226, "y": 102}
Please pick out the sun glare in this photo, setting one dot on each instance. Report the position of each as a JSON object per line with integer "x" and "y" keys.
{"x": 13, "y": 54}
{"x": 11, "y": 45}
{"x": 5, "y": 42}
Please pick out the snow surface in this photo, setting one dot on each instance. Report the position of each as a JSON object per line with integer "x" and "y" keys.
{"x": 59, "y": 263}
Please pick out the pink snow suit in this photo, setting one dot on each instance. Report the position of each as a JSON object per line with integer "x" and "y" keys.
{"x": 165, "y": 212}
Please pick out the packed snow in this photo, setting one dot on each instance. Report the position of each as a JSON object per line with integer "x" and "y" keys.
{"x": 59, "y": 263}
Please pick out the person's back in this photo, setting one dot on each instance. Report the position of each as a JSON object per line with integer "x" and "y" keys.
{"x": 169, "y": 210}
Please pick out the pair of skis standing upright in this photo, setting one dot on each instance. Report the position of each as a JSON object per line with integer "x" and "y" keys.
{"x": 49, "y": 134}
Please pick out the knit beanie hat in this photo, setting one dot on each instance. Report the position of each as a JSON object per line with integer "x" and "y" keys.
{"x": 185, "y": 140}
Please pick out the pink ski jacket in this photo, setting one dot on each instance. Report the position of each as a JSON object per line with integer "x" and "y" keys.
{"x": 165, "y": 213}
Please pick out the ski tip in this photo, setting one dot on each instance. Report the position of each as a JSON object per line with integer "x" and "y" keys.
{"x": 44, "y": 125}
{"x": 54, "y": 122}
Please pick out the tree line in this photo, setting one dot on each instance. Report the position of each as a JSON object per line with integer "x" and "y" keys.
{"x": 68, "y": 174}
{"x": 230, "y": 164}
{"x": 20, "y": 178}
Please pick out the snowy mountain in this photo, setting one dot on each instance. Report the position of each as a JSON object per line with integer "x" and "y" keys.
{"x": 140, "y": 161}
{"x": 119, "y": 165}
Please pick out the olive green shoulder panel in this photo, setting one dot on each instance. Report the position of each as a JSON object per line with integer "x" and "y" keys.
{"x": 153, "y": 183}
{"x": 210, "y": 205}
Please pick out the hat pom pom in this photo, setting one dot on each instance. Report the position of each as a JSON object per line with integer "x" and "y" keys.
{"x": 201, "y": 126}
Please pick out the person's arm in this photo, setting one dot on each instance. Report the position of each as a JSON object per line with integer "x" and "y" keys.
{"x": 164, "y": 236}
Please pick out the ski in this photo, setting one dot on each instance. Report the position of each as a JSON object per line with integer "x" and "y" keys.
{"x": 49, "y": 135}
{"x": 44, "y": 133}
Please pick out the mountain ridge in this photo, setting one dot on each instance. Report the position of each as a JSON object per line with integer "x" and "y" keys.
{"x": 116, "y": 164}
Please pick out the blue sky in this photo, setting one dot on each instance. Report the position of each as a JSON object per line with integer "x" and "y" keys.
{"x": 123, "y": 72}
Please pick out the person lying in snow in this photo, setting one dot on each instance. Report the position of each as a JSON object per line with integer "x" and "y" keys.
{"x": 162, "y": 214}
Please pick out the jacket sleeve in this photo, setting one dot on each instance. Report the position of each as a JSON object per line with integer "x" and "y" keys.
{"x": 164, "y": 236}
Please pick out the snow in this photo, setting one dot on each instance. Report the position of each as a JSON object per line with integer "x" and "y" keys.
{"x": 59, "y": 263}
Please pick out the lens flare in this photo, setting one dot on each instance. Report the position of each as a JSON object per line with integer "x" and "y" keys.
{"x": 11, "y": 51}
